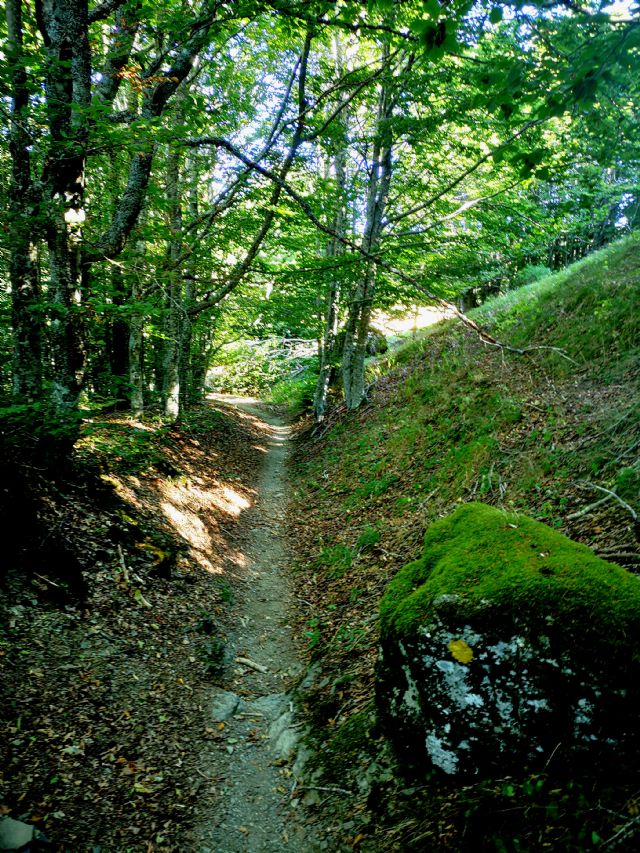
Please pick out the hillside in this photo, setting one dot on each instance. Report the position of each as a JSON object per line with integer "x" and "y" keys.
{"x": 554, "y": 433}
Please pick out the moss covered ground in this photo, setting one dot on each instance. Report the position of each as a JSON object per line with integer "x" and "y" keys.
{"x": 551, "y": 434}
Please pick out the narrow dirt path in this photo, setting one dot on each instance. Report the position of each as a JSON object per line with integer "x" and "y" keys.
{"x": 255, "y": 809}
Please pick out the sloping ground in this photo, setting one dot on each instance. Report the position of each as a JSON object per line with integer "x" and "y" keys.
{"x": 105, "y": 689}
{"x": 554, "y": 433}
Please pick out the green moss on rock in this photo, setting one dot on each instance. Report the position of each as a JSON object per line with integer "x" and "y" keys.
{"x": 507, "y": 645}
{"x": 514, "y": 566}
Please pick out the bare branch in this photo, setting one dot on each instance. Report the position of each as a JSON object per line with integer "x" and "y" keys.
{"x": 485, "y": 336}
{"x": 128, "y": 209}
{"x": 241, "y": 268}
{"x": 453, "y": 184}
{"x": 119, "y": 53}
{"x": 612, "y": 494}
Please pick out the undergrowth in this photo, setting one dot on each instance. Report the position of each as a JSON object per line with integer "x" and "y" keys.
{"x": 553, "y": 434}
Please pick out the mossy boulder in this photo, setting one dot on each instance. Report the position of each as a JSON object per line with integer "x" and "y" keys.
{"x": 506, "y": 644}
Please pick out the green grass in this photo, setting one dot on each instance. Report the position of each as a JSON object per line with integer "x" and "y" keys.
{"x": 465, "y": 420}
{"x": 591, "y": 309}
{"x": 295, "y": 393}
{"x": 123, "y": 448}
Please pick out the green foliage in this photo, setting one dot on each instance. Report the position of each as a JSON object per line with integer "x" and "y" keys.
{"x": 530, "y": 274}
{"x": 455, "y": 421}
{"x": 295, "y": 393}
{"x": 507, "y": 814}
{"x": 369, "y": 537}
{"x": 375, "y": 487}
{"x": 126, "y": 449}
{"x": 627, "y": 483}
{"x": 212, "y": 653}
{"x": 33, "y": 431}
{"x": 351, "y": 746}
{"x": 267, "y": 367}
{"x": 314, "y": 631}
{"x": 337, "y": 559}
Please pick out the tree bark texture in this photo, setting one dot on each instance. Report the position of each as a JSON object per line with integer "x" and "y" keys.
{"x": 175, "y": 308}
{"x": 50, "y": 207}
{"x": 23, "y": 271}
{"x": 359, "y": 315}
{"x": 64, "y": 25}
{"x": 333, "y": 250}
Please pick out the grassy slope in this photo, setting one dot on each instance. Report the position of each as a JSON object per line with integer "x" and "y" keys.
{"x": 452, "y": 420}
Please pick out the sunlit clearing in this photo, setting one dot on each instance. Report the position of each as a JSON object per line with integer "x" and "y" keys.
{"x": 399, "y": 320}
{"x": 232, "y": 398}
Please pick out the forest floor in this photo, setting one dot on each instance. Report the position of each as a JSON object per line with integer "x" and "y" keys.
{"x": 147, "y": 708}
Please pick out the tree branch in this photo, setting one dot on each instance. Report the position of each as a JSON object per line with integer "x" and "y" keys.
{"x": 450, "y": 307}
{"x": 241, "y": 268}
{"x": 111, "y": 243}
{"x": 453, "y": 184}
{"x": 103, "y": 10}
{"x": 119, "y": 53}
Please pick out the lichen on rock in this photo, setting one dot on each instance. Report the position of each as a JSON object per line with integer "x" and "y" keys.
{"x": 507, "y": 643}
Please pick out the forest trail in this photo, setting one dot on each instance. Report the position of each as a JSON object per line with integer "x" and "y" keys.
{"x": 256, "y": 808}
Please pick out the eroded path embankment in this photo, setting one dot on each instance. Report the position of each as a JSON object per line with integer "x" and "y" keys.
{"x": 252, "y": 763}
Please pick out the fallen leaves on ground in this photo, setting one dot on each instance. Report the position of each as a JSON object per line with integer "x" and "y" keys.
{"x": 103, "y": 697}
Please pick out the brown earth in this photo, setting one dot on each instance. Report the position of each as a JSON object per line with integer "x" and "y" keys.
{"x": 108, "y": 739}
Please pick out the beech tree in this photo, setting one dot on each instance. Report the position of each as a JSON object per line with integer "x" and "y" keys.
{"x": 163, "y": 164}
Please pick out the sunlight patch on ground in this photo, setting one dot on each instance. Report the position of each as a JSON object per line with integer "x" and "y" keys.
{"x": 192, "y": 512}
{"x": 196, "y": 500}
{"x": 230, "y": 501}
{"x": 232, "y": 399}
{"x": 240, "y": 560}
{"x": 123, "y": 488}
{"x": 191, "y": 529}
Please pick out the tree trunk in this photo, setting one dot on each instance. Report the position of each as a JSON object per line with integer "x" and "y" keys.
{"x": 65, "y": 31}
{"x": 186, "y": 331}
{"x": 119, "y": 349}
{"x": 175, "y": 308}
{"x": 359, "y": 316}
{"x": 136, "y": 327}
{"x": 23, "y": 267}
{"x": 333, "y": 250}
{"x": 201, "y": 361}
{"x": 136, "y": 354}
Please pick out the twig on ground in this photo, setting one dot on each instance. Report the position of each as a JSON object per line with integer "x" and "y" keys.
{"x": 204, "y": 776}
{"x": 628, "y": 451}
{"x": 623, "y": 833}
{"x": 46, "y": 580}
{"x": 612, "y": 494}
{"x": 328, "y": 789}
{"x": 588, "y": 508}
{"x": 252, "y": 664}
{"x": 125, "y": 570}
